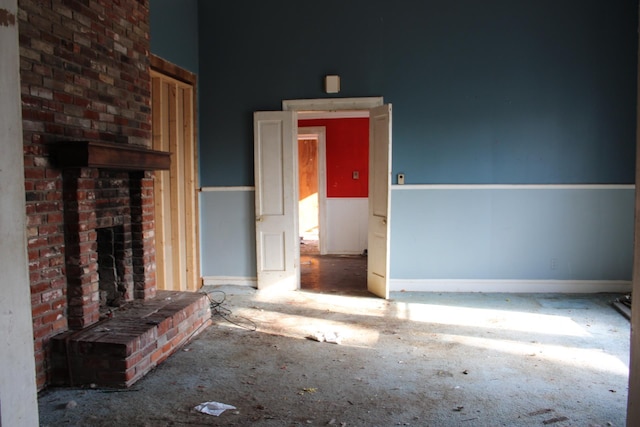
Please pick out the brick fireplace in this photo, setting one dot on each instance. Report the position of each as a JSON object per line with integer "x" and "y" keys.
{"x": 86, "y": 110}
{"x": 121, "y": 327}
{"x": 108, "y": 225}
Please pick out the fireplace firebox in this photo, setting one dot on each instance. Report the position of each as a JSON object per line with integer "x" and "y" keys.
{"x": 108, "y": 204}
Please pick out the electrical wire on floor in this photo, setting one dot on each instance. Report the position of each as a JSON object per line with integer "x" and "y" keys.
{"x": 218, "y": 310}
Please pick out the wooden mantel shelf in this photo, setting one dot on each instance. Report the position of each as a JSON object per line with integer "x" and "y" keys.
{"x": 81, "y": 154}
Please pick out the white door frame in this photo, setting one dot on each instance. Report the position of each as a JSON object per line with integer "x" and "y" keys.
{"x": 319, "y": 133}
{"x": 329, "y": 108}
{"x": 333, "y": 107}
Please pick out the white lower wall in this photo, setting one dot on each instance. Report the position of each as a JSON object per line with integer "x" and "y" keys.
{"x": 346, "y": 225}
{"x": 18, "y": 398}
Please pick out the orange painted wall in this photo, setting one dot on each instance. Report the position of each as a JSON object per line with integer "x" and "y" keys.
{"x": 347, "y": 150}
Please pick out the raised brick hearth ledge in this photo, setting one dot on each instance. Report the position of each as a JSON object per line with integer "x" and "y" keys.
{"x": 117, "y": 352}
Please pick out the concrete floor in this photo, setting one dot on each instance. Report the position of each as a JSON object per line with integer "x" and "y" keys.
{"x": 419, "y": 359}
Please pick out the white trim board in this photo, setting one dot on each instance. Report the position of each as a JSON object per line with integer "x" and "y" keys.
{"x": 486, "y": 286}
{"x": 398, "y": 187}
{"x": 342, "y": 114}
{"x": 510, "y": 286}
{"x": 230, "y": 280}
{"x": 332, "y": 104}
{"x": 238, "y": 188}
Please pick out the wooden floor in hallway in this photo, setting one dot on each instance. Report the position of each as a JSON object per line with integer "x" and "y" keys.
{"x": 331, "y": 273}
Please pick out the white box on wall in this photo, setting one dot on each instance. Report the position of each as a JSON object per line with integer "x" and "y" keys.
{"x": 332, "y": 84}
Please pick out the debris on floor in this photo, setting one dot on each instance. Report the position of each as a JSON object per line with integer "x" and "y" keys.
{"x": 213, "y": 408}
{"x": 623, "y": 305}
{"x": 330, "y": 337}
{"x": 555, "y": 420}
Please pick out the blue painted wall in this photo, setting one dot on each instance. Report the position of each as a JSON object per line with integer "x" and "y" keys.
{"x": 493, "y": 92}
{"x": 497, "y": 91}
{"x": 174, "y": 31}
{"x": 228, "y": 243}
{"x": 513, "y": 234}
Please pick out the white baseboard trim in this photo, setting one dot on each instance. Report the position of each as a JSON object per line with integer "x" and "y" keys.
{"x": 510, "y": 286}
{"x": 397, "y": 187}
{"x": 230, "y": 280}
{"x": 487, "y": 286}
{"x": 228, "y": 188}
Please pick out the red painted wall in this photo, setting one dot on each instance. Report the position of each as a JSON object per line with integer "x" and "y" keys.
{"x": 347, "y": 150}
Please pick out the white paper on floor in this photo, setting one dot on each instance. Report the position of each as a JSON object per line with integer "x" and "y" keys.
{"x": 331, "y": 337}
{"x": 213, "y": 408}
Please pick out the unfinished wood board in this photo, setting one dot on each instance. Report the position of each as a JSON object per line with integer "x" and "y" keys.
{"x": 175, "y": 191}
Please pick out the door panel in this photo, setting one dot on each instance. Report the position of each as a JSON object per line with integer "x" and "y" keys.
{"x": 276, "y": 183}
{"x": 271, "y": 168}
{"x": 273, "y": 252}
{"x": 379, "y": 192}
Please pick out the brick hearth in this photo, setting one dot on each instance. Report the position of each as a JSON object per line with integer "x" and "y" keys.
{"x": 118, "y": 351}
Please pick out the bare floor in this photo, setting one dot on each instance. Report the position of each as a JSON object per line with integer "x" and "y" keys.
{"x": 344, "y": 274}
{"x": 334, "y": 273}
{"x": 419, "y": 359}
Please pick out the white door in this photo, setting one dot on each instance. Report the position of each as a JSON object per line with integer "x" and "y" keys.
{"x": 379, "y": 198}
{"x": 276, "y": 187}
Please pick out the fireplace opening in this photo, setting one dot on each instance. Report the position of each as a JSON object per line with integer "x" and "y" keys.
{"x": 118, "y": 206}
{"x": 111, "y": 267}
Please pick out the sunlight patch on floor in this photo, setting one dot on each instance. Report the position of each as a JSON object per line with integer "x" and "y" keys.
{"x": 370, "y": 306}
{"x": 490, "y": 319}
{"x": 303, "y": 327}
{"x": 593, "y": 359}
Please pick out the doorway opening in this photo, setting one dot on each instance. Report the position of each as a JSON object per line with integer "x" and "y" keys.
{"x": 276, "y": 191}
{"x": 311, "y": 189}
{"x": 333, "y": 170}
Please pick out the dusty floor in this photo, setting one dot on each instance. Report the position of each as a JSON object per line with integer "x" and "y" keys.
{"x": 419, "y": 359}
